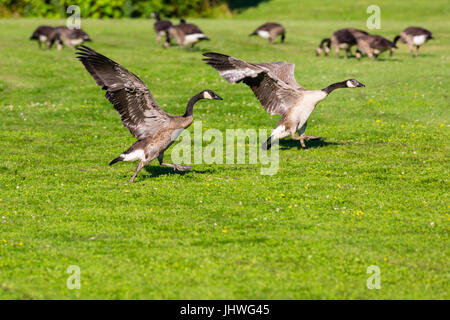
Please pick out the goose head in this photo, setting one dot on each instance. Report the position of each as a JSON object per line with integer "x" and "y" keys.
{"x": 353, "y": 83}
{"x": 209, "y": 94}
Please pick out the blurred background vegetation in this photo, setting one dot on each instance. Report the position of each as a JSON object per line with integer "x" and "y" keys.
{"x": 123, "y": 8}
{"x": 400, "y": 10}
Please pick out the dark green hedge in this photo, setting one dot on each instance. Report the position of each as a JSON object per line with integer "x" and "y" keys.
{"x": 114, "y": 8}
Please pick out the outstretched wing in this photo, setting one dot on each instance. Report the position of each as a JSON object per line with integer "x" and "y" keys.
{"x": 276, "y": 94}
{"x": 139, "y": 111}
{"x": 284, "y": 71}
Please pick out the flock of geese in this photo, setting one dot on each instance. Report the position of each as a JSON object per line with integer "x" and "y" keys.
{"x": 188, "y": 34}
{"x": 155, "y": 130}
{"x": 60, "y": 36}
{"x": 273, "y": 84}
{"x": 372, "y": 45}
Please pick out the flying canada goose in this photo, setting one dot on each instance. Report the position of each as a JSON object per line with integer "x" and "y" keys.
{"x": 186, "y": 34}
{"x": 41, "y": 34}
{"x": 373, "y": 45}
{"x": 161, "y": 28}
{"x": 69, "y": 37}
{"x": 154, "y": 128}
{"x": 414, "y": 36}
{"x": 340, "y": 39}
{"x": 278, "y": 92}
{"x": 270, "y": 30}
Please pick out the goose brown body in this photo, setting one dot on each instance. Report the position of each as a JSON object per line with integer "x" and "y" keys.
{"x": 161, "y": 27}
{"x": 186, "y": 34}
{"x": 414, "y": 37}
{"x": 65, "y": 36}
{"x": 275, "y": 87}
{"x": 270, "y": 30}
{"x": 154, "y": 129}
{"x": 373, "y": 45}
{"x": 42, "y": 34}
{"x": 342, "y": 39}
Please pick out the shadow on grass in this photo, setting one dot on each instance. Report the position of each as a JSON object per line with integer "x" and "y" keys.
{"x": 312, "y": 144}
{"x": 156, "y": 171}
{"x": 389, "y": 59}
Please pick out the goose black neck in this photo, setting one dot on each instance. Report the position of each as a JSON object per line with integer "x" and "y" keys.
{"x": 396, "y": 39}
{"x": 335, "y": 86}
{"x": 190, "y": 105}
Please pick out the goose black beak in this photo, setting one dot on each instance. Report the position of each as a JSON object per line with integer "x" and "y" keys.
{"x": 216, "y": 97}
{"x": 360, "y": 85}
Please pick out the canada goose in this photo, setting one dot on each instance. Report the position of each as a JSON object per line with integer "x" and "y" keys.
{"x": 270, "y": 30}
{"x": 154, "y": 128}
{"x": 69, "y": 37}
{"x": 340, "y": 39}
{"x": 414, "y": 36}
{"x": 41, "y": 34}
{"x": 161, "y": 28}
{"x": 278, "y": 92}
{"x": 373, "y": 45}
{"x": 186, "y": 34}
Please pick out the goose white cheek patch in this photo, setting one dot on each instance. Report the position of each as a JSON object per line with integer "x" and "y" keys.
{"x": 350, "y": 84}
{"x": 206, "y": 95}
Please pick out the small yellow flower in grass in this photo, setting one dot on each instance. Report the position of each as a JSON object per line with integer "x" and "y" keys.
{"x": 126, "y": 191}
{"x": 4, "y": 240}
{"x": 441, "y": 125}
{"x": 290, "y": 207}
{"x": 20, "y": 243}
{"x": 378, "y": 121}
{"x": 359, "y": 212}
{"x": 339, "y": 186}
{"x": 402, "y": 125}
{"x": 281, "y": 194}
{"x": 385, "y": 259}
{"x": 371, "y": 100}
{"x": 224, "y": 231}
{"x": 85, "y": 282}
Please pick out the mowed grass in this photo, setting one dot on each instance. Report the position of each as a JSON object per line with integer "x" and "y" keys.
{"x": 374, "y": 192}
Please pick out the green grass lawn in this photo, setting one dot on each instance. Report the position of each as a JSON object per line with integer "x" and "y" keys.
{"x": 374, "y": 192}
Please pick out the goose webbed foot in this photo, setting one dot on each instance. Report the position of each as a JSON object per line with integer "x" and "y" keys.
{"x": 172, "y": 165}
{"x": 176, "y": 166}
{"x": 182, "y": 168}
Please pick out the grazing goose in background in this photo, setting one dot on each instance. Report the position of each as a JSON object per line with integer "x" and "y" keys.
{"x": 186, "y": 34}
{"x": 340, "y": 39}
{"x": 161, "y": 28}
{"x": 69, "y": 37}
{"x": 414, "y": 36}
{"x": 373, "y": 45}
{"x": 270, "y": 30}
{"x": 42, "y": 34}
{"x": 154, "y": 128}
{"x": 278, "y": 92}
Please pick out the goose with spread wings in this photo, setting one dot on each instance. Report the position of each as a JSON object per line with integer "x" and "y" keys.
{"x": 154, "y": 129}
{"x": 275, "y": 87}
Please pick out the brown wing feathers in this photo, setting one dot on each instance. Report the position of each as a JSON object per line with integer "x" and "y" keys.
{"x": 274, "y": 94}
{"x": 138, "y": 109}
